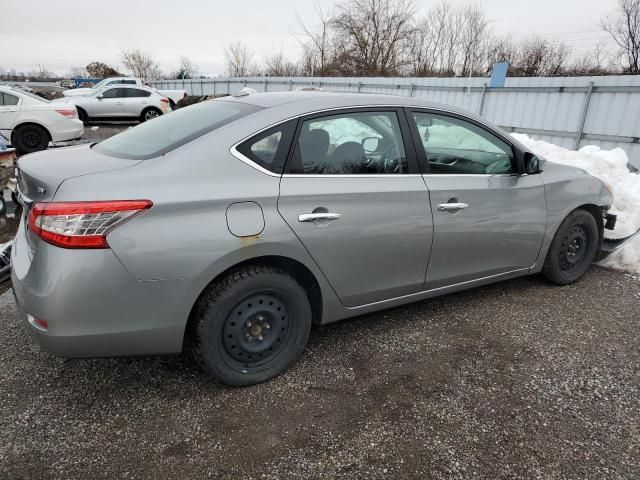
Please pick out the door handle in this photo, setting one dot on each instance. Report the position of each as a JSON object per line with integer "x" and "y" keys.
{"x": 310, "y": 217}
{"x": 452, "y": 207}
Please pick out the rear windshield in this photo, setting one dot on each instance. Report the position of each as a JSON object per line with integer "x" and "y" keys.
{"x": 167, "y": 132}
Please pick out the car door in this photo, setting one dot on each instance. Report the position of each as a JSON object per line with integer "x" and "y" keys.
{"x": 352, "y": 194}
{"x": 108, "y": 103}
{"x": 488, "y": 218}
{"x": 135, "y": 101}
{"x": 9, "y": 110}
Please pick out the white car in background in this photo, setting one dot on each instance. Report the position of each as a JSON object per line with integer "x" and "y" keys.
{"x": 30, "y": 122}
{"x": 119, "y": 102}
{"x": 174, "y": 96}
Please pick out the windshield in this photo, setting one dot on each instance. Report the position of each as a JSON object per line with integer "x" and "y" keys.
{"x": 100, "y": 83}
{"x": 28, "y": 94}
{"x": 165, "y": 133}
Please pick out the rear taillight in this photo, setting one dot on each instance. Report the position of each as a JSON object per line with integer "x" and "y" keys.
{"x": 68, "y": 112}
{"x": 165, "y": 100}
{"x": 82, "y": 224}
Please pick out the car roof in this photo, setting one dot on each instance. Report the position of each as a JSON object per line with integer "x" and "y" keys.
{"x": 128, "y": 85}
{"x": 338, "y": 99}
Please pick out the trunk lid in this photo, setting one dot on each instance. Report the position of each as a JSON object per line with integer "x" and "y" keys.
{"x": 40, "y": 174}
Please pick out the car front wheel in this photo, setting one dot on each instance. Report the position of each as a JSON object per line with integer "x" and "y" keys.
{"x": 573, "y": 248}
{"x": 251, "y": 326}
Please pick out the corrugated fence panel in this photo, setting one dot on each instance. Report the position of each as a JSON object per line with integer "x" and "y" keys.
{"x": 550, "y": 109}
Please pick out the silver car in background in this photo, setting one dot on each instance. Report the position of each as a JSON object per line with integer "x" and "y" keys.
{"x": 229, "y": 227}
{"x": 120, "y": 102}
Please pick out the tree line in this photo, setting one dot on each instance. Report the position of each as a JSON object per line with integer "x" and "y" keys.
{"x": 388, "y": 38}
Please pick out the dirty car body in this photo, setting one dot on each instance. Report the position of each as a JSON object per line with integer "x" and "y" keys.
{"x": 324, "y": 206}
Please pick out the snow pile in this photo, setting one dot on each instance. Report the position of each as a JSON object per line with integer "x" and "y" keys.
{"x": 610, "y": 166}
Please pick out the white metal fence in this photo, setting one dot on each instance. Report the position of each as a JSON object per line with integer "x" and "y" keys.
{"x": 568, "y": 111}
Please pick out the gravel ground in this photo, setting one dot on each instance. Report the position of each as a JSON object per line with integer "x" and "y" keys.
{"x": 515, "y": 380}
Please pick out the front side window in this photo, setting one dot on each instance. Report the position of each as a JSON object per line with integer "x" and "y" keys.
{"x": 350, "y": 143}
{"x": 114, "y": 93}
{"x": 452, "y": 145}
{"x": 269, "y": 149}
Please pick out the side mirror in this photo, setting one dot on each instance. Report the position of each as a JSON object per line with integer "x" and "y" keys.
{"x": 99, "y": 96}
{"x": 533, "y": 164}
{"x": 370, "y": 144}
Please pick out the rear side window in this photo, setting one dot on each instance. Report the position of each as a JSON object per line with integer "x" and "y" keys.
{"x": 8, "y": 99}
{"x": 270, "y": 148}
{"x": 115, "y": 93}
{"x": 170, "y": 131}
{"x": 136, "y": 92}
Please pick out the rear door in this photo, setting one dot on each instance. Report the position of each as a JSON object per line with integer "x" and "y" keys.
{"x": 135, "y": 101}
{"x": 488, "y": 219}
{"x": 352, "y": 194}
{"x": 9, "y": 111}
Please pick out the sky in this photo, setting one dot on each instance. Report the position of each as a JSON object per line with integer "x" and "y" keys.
{"x": 60, "y": 35}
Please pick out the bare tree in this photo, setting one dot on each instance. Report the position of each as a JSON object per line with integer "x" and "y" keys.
{"x": 277, "y": 65}
{"x": 141, "y": 64}
{"x": 373, "y": 36}
{"x": 76, "y": 72}
{"x": 238, "y": 59}
{"x": 624, "y": 28}
{"x": 473, "y": 39}
{"x": 317, "y": 45}
{"x": 186, "y": 69}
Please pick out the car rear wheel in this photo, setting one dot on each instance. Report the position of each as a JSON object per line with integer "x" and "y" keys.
{"x": 3, "y": 203}
{"x": 573, "y": 249}
{"x": 82, "y": 115}
{"x": 149, "y": 114}
{"x": 30, "y": 138}
{"x": 251, "y": 326}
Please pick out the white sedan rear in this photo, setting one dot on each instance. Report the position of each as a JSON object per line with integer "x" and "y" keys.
{"x": 120, "y": 102}
{"x": 30, "y": 122}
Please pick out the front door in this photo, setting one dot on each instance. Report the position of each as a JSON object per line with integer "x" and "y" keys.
{"x": 110, "y": 105}
{"x": 352, "y": 194}
{"x": 488, "y": 219}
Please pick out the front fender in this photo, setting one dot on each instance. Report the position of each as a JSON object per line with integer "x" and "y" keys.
{"x": 566, "y": 189}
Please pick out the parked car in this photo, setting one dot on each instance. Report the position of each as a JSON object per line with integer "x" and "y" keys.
{"x": 174, "y": 96}
{"x": 119, "y": 102}
{"x": 31, "y": 122}
{"x": 228, "y": 227}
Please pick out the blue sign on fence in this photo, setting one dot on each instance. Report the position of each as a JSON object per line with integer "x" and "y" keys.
{"x": 499, "y": 74}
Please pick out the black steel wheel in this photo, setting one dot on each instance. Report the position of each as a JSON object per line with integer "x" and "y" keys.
{"x": 573, "y": 248}
{"x": 251, "y": 325}
{"x": 30, "y": 138}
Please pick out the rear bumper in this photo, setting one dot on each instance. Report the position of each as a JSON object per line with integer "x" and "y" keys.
{"x": 68, "y": 129}
{"x": 93, "y": 306}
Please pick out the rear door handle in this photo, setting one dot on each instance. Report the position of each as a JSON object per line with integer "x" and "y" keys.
{"x": 310, "y": 217}
{"x": 452, "y": 207}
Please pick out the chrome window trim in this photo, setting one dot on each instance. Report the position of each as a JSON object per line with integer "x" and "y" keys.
{"x": 233, "y": 150}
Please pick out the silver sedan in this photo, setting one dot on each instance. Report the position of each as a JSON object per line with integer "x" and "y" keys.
{"x": 229, "y": 227}
{"x": 120, "y": 102}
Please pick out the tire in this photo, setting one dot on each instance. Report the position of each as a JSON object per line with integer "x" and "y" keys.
{"x": 251, "y": 326}
{"x": 149, "y": 114}
{"x": 14, "y": 198}
{"x": 573, "y": 249}
{"x": 30, "y": 138}
{"x": 82, "y": 115}
{"x": 3, "y": 204}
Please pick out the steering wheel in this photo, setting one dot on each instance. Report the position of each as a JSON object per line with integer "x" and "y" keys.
{"x": 389, "y": 160}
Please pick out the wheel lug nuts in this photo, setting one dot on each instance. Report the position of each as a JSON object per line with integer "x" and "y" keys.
{"x": 260, "y": 337}
{"x": 249, "y": 324}
{"x": 267, "y": 326}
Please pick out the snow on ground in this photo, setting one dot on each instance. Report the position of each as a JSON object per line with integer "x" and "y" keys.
{"x": 610, "y": 166}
